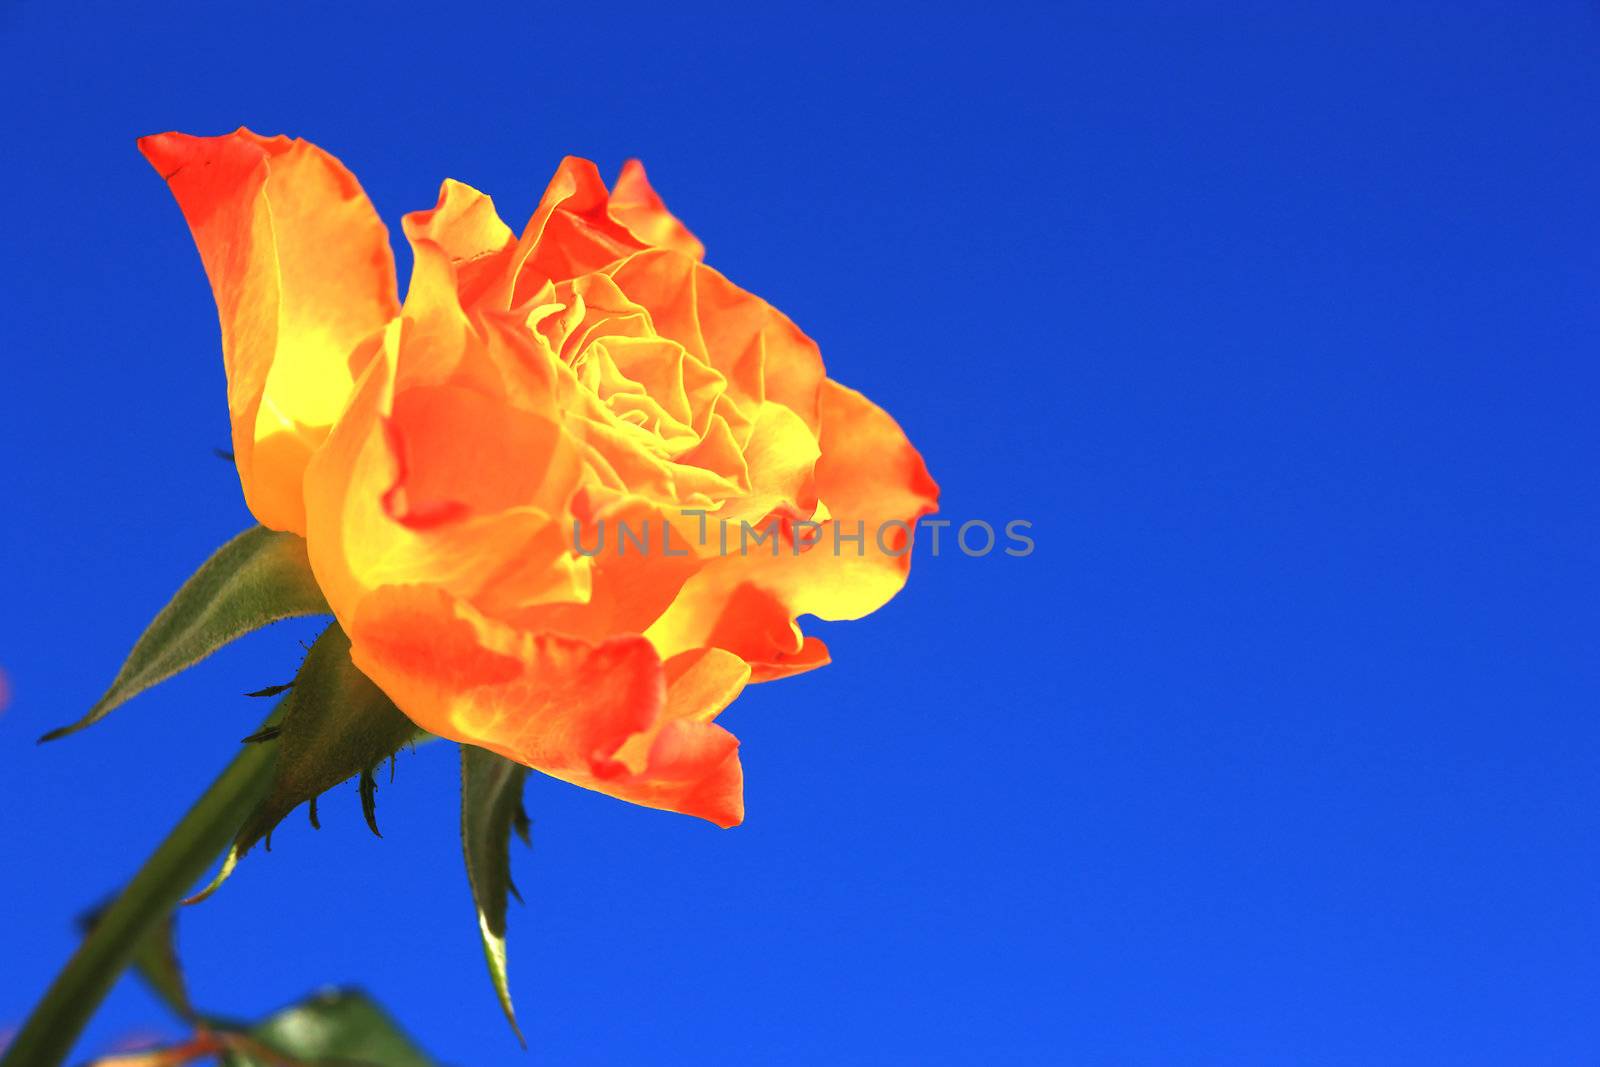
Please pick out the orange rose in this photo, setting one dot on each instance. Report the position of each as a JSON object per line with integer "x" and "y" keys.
{"x": 455, "y": 461}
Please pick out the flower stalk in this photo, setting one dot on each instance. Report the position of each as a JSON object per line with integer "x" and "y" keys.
{"x": 47, "y": 1037}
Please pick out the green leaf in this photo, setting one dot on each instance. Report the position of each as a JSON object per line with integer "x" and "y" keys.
{"x": 155, "y": 960}
{"x": 260, "y": 576}
{"x": 491, "y": 800}
{"x": 343, "y": 1028}
{"x": 335, "y": 725}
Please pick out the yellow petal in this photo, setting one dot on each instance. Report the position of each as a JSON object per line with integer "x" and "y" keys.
{"x": 871, "y": 481}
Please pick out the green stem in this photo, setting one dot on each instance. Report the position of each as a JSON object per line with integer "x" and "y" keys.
{"x": 181, "y": 860}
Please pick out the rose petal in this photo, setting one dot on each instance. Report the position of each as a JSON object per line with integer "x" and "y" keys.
{"x": 762, "y": 355}
{"x": 465, "y": 227}
{"x": 869, "y": 478}
{"x": 635, "y": 204}
{"x": 302, "y": 272}
{"x": 606, "y": 716}
{"x": 571, "y": 233}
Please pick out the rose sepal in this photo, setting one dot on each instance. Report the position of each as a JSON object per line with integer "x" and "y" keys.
{"x": 491, "y": 810}
{"x": 332, "y": 725}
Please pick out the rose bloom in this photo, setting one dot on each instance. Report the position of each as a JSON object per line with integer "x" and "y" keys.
{"x": 454, "y": 460}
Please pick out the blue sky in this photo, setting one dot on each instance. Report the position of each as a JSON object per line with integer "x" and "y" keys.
{"x": 1277, "y": 320}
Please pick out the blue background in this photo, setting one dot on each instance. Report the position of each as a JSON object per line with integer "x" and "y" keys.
{"x": 1278, "y": 320}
